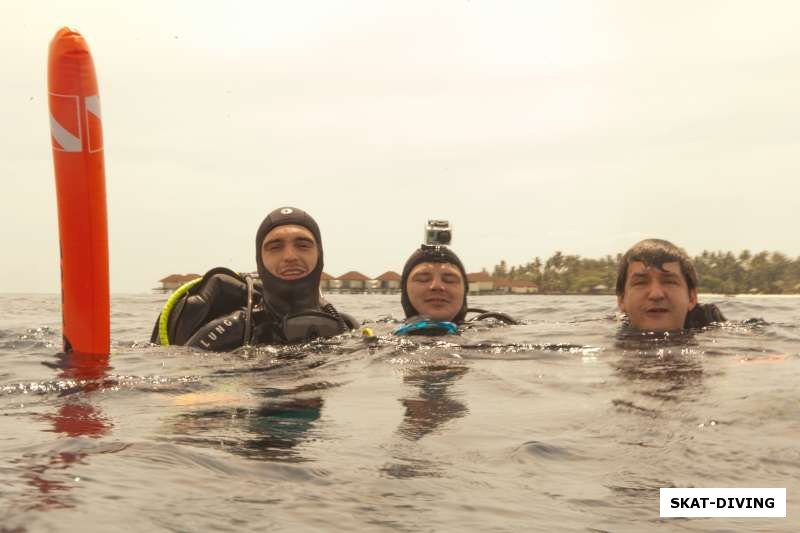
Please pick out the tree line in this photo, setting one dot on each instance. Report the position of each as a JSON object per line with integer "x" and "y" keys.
{"x": 719, "y": 272}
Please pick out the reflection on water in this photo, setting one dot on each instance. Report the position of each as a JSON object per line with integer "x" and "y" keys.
{"x": 433, "y": 405}
{"x": 75, "y": 416}
{"x": 271, "y": 431}
{"x": 663, "y": 367}
{"x": 79, "y": 418}
{"x": 48, "y": 481}
{"x": 429, "y": 403}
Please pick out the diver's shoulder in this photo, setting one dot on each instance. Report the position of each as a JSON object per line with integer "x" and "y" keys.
{"x": 482, "y": 314}
{"x": 703, "y": 315}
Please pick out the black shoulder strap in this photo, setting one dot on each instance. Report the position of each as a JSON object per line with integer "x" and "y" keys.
{"x": 331, "y": 310}
{"x": 502, "y": 317}
{"x": 248, "y": 310}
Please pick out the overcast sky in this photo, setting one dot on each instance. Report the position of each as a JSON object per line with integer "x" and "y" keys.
{"x": 531, "y": 126}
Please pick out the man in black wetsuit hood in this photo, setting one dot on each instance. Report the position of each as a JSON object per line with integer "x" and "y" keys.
{"x": 226, "y": 310}
{"x": 434, "y": 289}
{"x": 434, "y": 284}
{"x": 289, "y": 258}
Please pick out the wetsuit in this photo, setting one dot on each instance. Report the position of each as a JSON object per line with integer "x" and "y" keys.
{"x": 703, "y": 315}
{"x": 225, "y": 310}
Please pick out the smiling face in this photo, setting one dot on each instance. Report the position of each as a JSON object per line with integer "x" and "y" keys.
{"x": 436, "y": 290}
{"x": 656, "y": 299}
{"x": 289, "y": 252}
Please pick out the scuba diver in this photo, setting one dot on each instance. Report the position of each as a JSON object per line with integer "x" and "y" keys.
{"x": 225, "y": 310}
{"x": 657, "y": 289}
{"x": 434, "y": 288}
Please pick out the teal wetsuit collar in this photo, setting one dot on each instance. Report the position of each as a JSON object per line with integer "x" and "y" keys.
{"x": 427, "y": 326}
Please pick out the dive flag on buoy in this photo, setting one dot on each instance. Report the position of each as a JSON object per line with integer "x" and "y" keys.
{"x": 94, "y": 125}
{"x": 66, "y": 126}
{"x": 65, "y": 122}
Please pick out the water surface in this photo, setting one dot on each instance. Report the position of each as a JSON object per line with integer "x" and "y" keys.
{"x": 553, "y": 425}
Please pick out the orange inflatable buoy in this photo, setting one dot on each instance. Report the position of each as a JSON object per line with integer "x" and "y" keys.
{"x": 77, "y": 137}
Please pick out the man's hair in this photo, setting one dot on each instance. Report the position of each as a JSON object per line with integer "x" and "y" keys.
{"x": 654, "y": 253}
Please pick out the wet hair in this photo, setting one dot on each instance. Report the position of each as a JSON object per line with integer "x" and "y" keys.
{"x": 439, "y": 254}
{"x": 654, "y": 253}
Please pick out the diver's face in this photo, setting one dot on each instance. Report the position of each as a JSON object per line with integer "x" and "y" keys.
{"x": 289, "y": 252}
{"x": 436, "y": 290}
{"x": 656, "y": 299}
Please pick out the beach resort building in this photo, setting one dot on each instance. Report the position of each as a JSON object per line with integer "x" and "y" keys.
{"x": 480, "y": 282}
{"x": 173, "y": 281}
{"x": 388, "y": 282}
{"x": 353, "y": 282}
{"x": 325, "y": 281}
{"x": 515, "y": 286}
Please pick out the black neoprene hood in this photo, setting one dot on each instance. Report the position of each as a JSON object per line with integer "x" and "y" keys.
{"x": 289, "y": 296}
{"x": 439, "y": 254}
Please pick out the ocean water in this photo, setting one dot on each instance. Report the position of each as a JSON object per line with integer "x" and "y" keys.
{"x": 554, "y": 425}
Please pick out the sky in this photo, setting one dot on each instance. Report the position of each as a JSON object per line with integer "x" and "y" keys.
{"x": 532, "y": 126}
